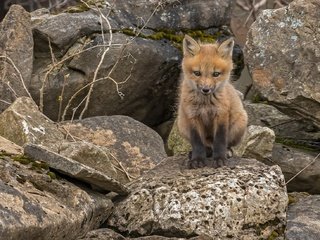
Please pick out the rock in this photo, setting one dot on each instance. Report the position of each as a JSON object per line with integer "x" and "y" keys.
{"x": 16, "y": 55}
{"x": 146, "y": 74}
{"x": 286, "y": 128}
{"x": 63, "y": 30}
{"x": 107, "y": 234}
{"x": 171, "y": 14}
{"x": 303, "y": 219}
{"x": 35, "y": 206}
{"x": 257, "y": 143}
{"x": 246, "y": 202}
{"x": 9, "y": 147}
{"x": 23, "y": 123}
{"x": 283, "y": 54}
{"x": 137, "y": 147}
{"x": 75, "y": 169}
{"x": 293, "y": 161}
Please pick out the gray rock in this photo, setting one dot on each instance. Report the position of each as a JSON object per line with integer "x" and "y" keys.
{"x": 293, "y": 161}
{"x": 137, "y": 147}
{"x": 303, "y": 219}
{"x": 23, "y": 123}
{"x": 257, "y": 143}
{"x": 283, "y": 54}
{"x": 107, "y": 234}
{"x": 64, "y": 29}
{"x": 246, "y": 202}
{"x": 16, "y": 45}
{"x": 9, "y": 147}
{"x": 35, "y": 206}
{"x": 172, "y": 14}
{"x": 148, "y": 91}
{"x": 75, "y": 169}
{"x": 285, "y": 127}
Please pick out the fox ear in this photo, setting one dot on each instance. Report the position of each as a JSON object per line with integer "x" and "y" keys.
{"x": 190, "y": 46}
{"x": 225, "y": 48}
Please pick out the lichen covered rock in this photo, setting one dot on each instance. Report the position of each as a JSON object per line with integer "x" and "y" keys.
{"x": 246, "y": 202}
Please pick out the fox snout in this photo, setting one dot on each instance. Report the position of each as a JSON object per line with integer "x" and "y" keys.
{"x": 206, "y": 90}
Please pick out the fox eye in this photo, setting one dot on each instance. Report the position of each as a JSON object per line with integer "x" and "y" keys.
{"x": 216, "y": 74}
{"x": 197, "y": 73}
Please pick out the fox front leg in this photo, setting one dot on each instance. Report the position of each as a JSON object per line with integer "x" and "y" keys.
{"x": 220, "y": 146}
{"x": 198, "y": 154}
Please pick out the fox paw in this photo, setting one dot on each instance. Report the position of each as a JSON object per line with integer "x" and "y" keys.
{"x": 219, "y": 162}
{"x": 197, "y": 162}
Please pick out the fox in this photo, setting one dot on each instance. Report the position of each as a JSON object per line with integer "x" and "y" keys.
{"x": 210, "y": 112}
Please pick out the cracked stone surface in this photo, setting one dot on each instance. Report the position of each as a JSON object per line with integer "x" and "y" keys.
{"x": 246, "y": 202}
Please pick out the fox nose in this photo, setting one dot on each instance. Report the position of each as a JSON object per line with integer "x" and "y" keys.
{"x": 205, "y": 90}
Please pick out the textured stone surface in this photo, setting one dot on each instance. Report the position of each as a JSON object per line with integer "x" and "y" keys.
{"x": 293, "y": 161}
{"x": 23, "y": 123}
{"x": 147, "y": 73}
{"x": 34, "y": 206}
{"x": 303, "y": 219}
{"x": 9, "y": 147}
{"x": 75, "y": 169}
{"x": 283, "y": 54}
{"x": 286, "y": 127}
{"x": 107, "y": 234}
{"x": 246, "y": 202}
{"x": 16, "y": 43}
{"x": 137, "y": 147}
{"x": 257, "y": 143}
{"x": 173, "y": 14}
{"x": 63, "y": 29}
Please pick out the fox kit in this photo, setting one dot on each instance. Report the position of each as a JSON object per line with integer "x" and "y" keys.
{"x": 210, "y": 114}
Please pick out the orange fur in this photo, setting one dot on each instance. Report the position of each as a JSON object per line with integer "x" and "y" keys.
{"x": 221, "y": 106}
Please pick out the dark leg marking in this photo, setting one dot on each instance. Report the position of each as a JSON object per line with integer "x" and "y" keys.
{"x": 220, "y": 146}
{"x": 198, "y": 156}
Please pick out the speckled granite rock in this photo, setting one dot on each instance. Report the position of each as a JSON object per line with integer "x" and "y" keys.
{"x": 246, "y": 202}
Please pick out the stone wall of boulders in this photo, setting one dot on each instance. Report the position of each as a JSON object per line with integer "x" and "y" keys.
{"x": 107, "y": 175}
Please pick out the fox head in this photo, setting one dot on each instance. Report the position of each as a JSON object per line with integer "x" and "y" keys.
{"x": 206, "y": 67}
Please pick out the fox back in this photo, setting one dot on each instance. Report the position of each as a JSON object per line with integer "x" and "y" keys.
{"x": 210, "y": 114}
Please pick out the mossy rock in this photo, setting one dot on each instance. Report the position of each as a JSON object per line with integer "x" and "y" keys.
{"x": 177, "y": 145}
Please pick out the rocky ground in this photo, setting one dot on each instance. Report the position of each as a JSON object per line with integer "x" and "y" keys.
{"x": 82, "y": 93}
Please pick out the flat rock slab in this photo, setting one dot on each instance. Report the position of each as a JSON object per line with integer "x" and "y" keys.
{"x": 303, "y": 221}
{"x": 9, "y": 147}
{"x": 75, "y": 169}
{"x": 246, "y": 202}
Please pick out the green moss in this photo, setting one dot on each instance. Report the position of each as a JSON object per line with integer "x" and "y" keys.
{"x": 291, "y": 199}
{"x": 81, "y": 7}
{"x": 40, "y": 165}
{"x": 256, "y": 98}
{"x": 273, "y": 235}
{"x": 52, "y": 175}
{"x": 175, "y": 38}
{"x": 22, "y": 159}
{"x": 295, "y": 143}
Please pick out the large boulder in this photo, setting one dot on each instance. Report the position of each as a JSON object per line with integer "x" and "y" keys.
{"x": 292, "y": 161}
{"x": 113, "y": 142}
{"x": 287, "y": 128}
{"x": 283, "y": 54}
{"x": 16, "y": 55}
{"x": 303, "y": 219}
{"x": 36, "y": 205}
{"x": 142, "y": 84}
{"x": 172, "y": 14}
{"x": 246, "y": 202}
